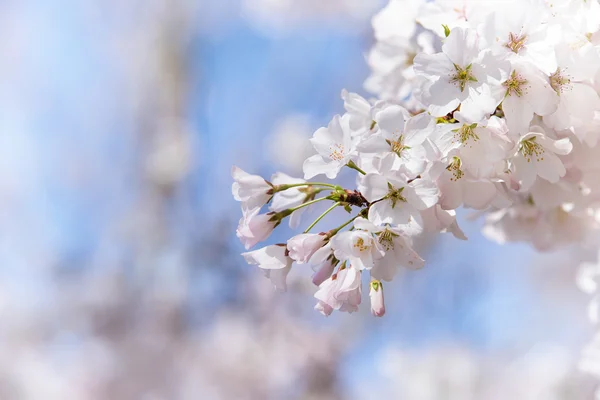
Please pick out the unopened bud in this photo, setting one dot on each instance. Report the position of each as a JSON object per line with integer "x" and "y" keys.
{"x": 323, "y": 273}
{"x": 376, "y": 295}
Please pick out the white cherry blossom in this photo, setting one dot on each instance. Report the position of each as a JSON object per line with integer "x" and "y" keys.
{"x": 335, "y": 148}
{"x": 342, "y": 291}
{"x": 274, "y": 263}
{"x": 527, "y": 91}
{"x": 358, "y": 247}
{"x": 537, "y": 155}
{"x": 524, "y": 36}
{"x": 462, "y": 74}
{"x": 289, "y": 198}
{"x": 254, "y": 228}
{"x": 397, "y": 246}
{"x": 578, "y": 101}
{"x": 302, "y": 247}
{"x": 252, "y": 190}
{"x": 396, "y": 200}
{"x": 401, "y": 137}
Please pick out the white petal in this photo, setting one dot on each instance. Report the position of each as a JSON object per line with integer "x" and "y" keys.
{"x": 425, "y": 194}
{"x": 519, "y": 114}
{"x": 375, "y": 187}
{"x": 392, "y": 119}
{"x": 316, "y": 165}
{"x": 550, "y": 167}
{"x": 479, "y": 194}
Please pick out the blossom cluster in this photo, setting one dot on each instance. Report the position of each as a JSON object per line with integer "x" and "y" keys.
{"x": 488, "y": 105}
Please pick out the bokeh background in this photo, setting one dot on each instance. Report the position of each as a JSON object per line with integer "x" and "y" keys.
{"x": 120, "y": 274}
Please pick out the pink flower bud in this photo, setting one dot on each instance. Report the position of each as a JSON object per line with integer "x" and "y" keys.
{"x": 303, "y": 246}
{"x": 377, "y": 302}
{"x": 254, "y": 228}
{"x": 323, "y": 273}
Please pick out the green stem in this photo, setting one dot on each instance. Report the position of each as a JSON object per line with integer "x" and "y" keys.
{"x": 321, "y": 216}
{"x": 281, "y": 188}
{"x": 352, "y": 165}
{"x": 308, "y": 203}
{"x": 339, "y": 228}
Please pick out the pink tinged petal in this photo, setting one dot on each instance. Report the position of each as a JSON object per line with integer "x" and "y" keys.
{"x": 550, "y": 167}
{"x": 361, "y": 263}
{"x": 269, "y": 257}
{"x": 323, "y": 273}
{"x": 377, "y": 301}
{"x": 415, "y": 226}
{"x": 562, "y": 146}
{"x": 302, "y": 247}
{"x": 327, "y": 290}
{"x": 406, "y": 256}
{"x": 525, "y": 172}
{"x": 451, "y": 191}
{"x": 447, "y": 219}
{"x": 542, "y": 55}
{"x": 350, "y": 280}
{"x": 324, "y": 308}
{"x": 582, "y": 102}
{"x": 518, "y": 113}
{"x": 251, "y": 190}
{"x": 351, "y": 305}
{"x": 540, "y": 95}
{"x": 321, "y": 255}
{"x": 254, "y": 228}
{"x": 278, "y": 277}
{"x": 385, "y": 269}
{"x": 479, "y": 194}
{"x": 343, "y": 245}
{"x": 400, "y": 214}
{"x": 424, "y": 194}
